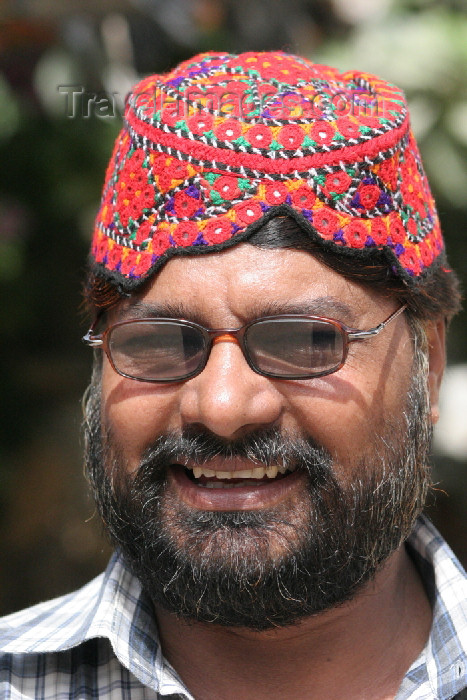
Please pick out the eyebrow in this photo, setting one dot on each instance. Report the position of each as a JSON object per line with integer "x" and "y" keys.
{"x": 142, "y": 309}
{"x": 321, "y": 306}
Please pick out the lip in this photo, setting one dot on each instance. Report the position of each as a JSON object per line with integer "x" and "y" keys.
{"x": 239, "y": 498}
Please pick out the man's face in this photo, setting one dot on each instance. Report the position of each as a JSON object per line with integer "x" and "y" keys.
{"x": 258, "y": 551}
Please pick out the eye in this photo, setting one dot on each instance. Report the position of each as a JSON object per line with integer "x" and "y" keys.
{"x": 323, "y": 338}
{"x": 156, "y": 350}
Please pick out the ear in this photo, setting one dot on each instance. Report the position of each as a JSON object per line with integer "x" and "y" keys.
{"x": 436, "y": 336}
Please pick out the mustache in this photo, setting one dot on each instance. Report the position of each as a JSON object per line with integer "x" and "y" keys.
{"x": 266, "y": 446}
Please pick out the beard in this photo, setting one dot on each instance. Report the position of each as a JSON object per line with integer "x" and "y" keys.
{"x": 262, "y": 569}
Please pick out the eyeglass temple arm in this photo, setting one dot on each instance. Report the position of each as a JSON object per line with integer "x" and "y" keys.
{"x": 361, "y": 335}
{"x": 94, "y": 341}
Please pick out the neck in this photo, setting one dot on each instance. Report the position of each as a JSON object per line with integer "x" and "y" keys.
{"x": 358, "y": 646}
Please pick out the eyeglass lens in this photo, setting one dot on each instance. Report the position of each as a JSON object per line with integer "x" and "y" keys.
{"x": 294, "y": 347}
{"x": 284, "y": 348}
{"x": 149, "y": 350}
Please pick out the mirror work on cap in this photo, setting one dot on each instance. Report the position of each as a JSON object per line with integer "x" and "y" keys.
{"x": 223, "y": 143}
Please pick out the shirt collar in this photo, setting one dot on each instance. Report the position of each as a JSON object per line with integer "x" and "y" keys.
{"x": 442, "y": 665}
{"x": 112, "y": 606}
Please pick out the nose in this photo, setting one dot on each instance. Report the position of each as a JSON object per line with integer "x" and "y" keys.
{"x": 228, "y": 397}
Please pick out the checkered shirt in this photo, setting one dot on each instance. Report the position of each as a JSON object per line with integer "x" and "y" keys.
{"x": 102, "y": 642}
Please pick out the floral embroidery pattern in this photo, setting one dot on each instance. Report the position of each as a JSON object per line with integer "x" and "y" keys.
{"x": 212, "y": 147}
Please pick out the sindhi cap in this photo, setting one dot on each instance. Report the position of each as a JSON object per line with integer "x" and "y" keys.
{"x": 213, "y": 149}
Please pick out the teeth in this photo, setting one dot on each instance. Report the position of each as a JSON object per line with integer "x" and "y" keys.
{"x": 221, "y": 485}
{"x": 256, "y": 473}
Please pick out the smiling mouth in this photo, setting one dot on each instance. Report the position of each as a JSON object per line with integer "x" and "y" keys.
{"x": 258, "y": 476}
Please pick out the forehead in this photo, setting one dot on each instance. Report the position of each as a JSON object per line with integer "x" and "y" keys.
{"x": 246, "y": 281}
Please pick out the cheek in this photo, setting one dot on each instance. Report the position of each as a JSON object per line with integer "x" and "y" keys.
{"x": 345, "y": 410}
{"x": 135, "y": 412}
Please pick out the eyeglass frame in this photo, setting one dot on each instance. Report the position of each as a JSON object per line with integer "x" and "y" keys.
{"x": 215, "y": 335}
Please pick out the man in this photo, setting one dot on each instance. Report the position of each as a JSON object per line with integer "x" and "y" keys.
{"x": 269, "y": 292}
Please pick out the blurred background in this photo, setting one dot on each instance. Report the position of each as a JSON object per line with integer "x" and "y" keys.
{"x": 64, "y": 71}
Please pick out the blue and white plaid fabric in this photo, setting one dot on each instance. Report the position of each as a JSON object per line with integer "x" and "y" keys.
{"x": 440, "y": 672}
{"x": 102, "y": 642}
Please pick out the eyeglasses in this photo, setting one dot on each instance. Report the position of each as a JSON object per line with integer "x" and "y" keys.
{"x": 281, "y": 347}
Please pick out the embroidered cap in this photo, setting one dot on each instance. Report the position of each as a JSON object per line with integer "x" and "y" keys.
{"x": 212, "y": 150}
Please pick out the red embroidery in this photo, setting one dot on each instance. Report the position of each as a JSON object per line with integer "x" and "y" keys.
{"x": 217, "y": 230}
{"x": 276, "y": 193}
{"x": 369, "y": 195}
{"x": 326, "y": 222}
{"x": 260, "y": 136}
{"x": 160, "y": 241}
{"x": 248, "y": 211}
{"x": 185, "y": 233}
{"x": 337, "y": 183}
{"x": 388, "y": 174}
{"x": 246, "y": 133}
{"x": 291, "y": 136}
{"x": 303, "y": 197}
{"x": 348, "y": 128}
{"x": 129, "y": 262}
{"x": 409, "y": 260}
{"x": 144, "y": 232}
{"x": 199, "y": 123}
{"x": 185, "y": 205}
{"x": 356, "y": 234}
{"x": 396, "y": 228}
{"x": 227, "y": 187}
{"x": 322, "y": 132}
{"x": 228, "y": 130}
{"x": 379, "y": 232}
